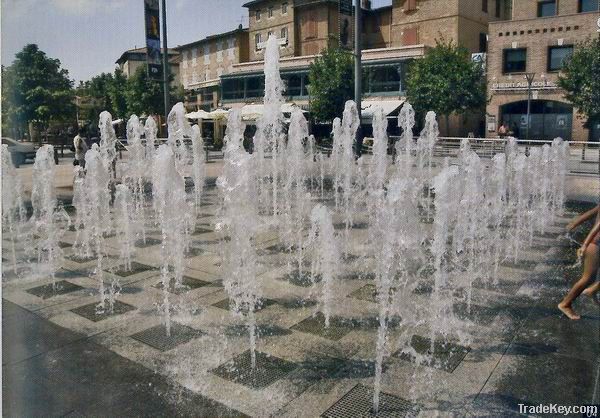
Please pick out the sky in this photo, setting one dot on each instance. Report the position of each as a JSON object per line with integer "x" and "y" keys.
{"x": 88, "y": 36}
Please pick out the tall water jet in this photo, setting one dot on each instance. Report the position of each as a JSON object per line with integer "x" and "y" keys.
{"x": 337, "y": 152}
{"x": 178, "y": 129}
{"x": 239, "y": 220}
{"x": 496, "y": 208}
{"x": 269, "y": 131}
{"x": 346, "y": 166}
{"x": 406, "y": 121}
{"x": 168, "y": 191}
{"x": 379, "y": 165}
{"x": 124, "y": 210}
{"x": 108, "y": 142}
{"x": 96, "y": 218}
{"x": 135, "y": 175}
{"x": 47, "y": 214}
{"x": 326, "y": 256}
{"x": 425, "y": 146}
{"x": 13, "y": 209}
{"x": 198, "y": 164}
{"x": 150, "y": 132}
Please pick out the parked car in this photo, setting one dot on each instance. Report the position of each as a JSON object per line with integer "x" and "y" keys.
{"x": 19, "y": 151}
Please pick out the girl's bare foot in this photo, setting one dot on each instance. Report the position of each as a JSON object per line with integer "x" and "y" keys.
{"x": 568, "y": 311}
{"x": 592, "y": 291}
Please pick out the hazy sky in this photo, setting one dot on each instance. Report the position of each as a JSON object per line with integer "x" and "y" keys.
{"x": 89, "y": 35}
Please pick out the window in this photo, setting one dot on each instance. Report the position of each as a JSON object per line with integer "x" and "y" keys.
{"x": 185, "y": 59}
{"x": 283, "y": 8}
{"x": 547, "y": 8}
{"x": 410, "y": 5}
{"x": 515, "y": 60}
{"x": 206, "y": 54}
{"x": 484, "y": 6}
{"x": 257, "y": 40}
{"x": 283, "y": 33}
{"x": 194, "y": 56}
{"x": 270, "y": 11}
{"x": 482, "y": 42}
{"x": 219, "y": 51}
{"x": 557, "y": 56}
{"x": 231, "y": 48}
{"x": 269, "y": 34}
{"x": 258, "y": 14}
{"x": 588, "y": 6}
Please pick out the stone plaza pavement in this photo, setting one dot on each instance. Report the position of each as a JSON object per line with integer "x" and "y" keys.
{"x": 61, "y": 359}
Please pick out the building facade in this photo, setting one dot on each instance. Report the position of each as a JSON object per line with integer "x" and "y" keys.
{"x": 204, "y": 62}
{"x": 535, "y": 39}
{"x": 135, "y": 58}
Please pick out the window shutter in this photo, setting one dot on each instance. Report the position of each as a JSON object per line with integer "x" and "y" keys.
{"x": 410, "y": 36}
{"x": 410, "y": 5}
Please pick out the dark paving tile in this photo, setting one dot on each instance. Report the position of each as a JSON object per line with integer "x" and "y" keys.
{"x": 528, "y": 265}
{"x": 336, "y": 330}
{"x": 187, "y": 284}
{"x": 61, "y": 287}
{"x": 261, "y": 331}
{"x": 445, "y": 356}
{"x": 476, "y": 313}
{"x": 303, "y": 279}
{"x": 263, "y": 303}
{"x": 357, "y": 225}
{"x": 358, "y": 402}
{"x": 530, "y": 376}
{"x": 200, "y": 231}
{"x": 268, "y": 370}
{"x": 156, "y": 337}
{"x": 92, "y": 313}
{"x": 136, "y": 268}
{"x": 150, "y": 242}
{"x": 509, "y": 287}
{"x": 193, "y": 252}
{"x": 26, "y": 335}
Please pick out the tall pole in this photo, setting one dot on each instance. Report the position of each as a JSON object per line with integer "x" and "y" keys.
{"x": 165, "y": 60}
{"x": 529, "y": 77}
{"x": 358, "y": 71}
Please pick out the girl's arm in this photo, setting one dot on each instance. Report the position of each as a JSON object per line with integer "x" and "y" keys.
{"x": 589, "y": 238}
{"x": 582, "y": 218}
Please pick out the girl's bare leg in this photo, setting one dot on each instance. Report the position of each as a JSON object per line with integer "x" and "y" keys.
{"x": 590, "y": 265}
{"x": 592, "y": 290}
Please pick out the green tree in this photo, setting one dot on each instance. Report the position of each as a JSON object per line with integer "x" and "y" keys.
{"x": 145, "y": 96}
{"x": 116, "y": 92}
{"x": 580, "y": 78}
{"x": 331, "y": 84}
{"x": 36, "y": 91}
{"x": 446, "y": 81}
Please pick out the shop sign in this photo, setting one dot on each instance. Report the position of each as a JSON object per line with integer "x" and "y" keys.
{"x": 522, "y": 85}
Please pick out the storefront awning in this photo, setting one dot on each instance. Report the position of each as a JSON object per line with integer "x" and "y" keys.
{"x": 389, "y": 107}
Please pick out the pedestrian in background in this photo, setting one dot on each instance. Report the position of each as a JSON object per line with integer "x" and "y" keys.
{"x": 81, "y": 148}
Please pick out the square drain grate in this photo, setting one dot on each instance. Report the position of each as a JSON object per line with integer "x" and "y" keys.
{"x": 446, "y": 356}
{"x": 316, "y": 325}
{"x": 357, "y": 225}
{"x": 61, "y": 287}
{"x": 188, "y": 283}
{"x": 359, "y": 403}
{"x": 368, "y": 292}
{"x": 268, "y": 370}
{"x": 90, "y": 312}
{"x": 156, "y": 337}
{"x": 263, "y": 303}
{"x": 301, "y": 279}
{"x": 135, "y": 269}
{"x": 150, "y": 242}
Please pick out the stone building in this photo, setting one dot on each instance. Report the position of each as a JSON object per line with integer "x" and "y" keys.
{"x": 535, "y": 38}
{"x": 132, "y": 59}
{"x": 203, "y": 63}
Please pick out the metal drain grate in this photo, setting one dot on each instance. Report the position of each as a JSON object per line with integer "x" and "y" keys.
{"x": 90, "y": 312}
{"x": 356, "y": 275}
{"x": 263, "y": 303}
{"x": 193, "y": 252}
{"x": 368, "y": 292}
{"x": 357, "y": 225}
{"x": 150, "y": 242}
{"x": 268, "y": 370}
{"x": 359, "y": 403}
{"x": 188, "y": 283}
{"x": 301, "y": 279}
{"x": 520, "y": 265}
{"x": 81, "y": 260}
{"x": 446, "y": 356}
{"x": 135, "y": 269}
{"x": 61, "y": 287}
{"x": 156, "y": 337}
{"x": 316, "y": 325}
{"x": 240, "y": 330}
{"x": 276, "y": 249}
{"x": 199, "y": 231}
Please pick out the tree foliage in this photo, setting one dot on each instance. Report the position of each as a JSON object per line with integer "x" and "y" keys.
{"x": 144, "y": 95}
{"x": 331, "y": 84}
{"x": 36, "y": 89}
{"x": 580, "y": 78}
{"x": 446, "y": 81}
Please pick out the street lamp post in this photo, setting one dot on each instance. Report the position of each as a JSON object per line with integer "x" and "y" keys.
{"x": 358, "y": 71}
{"x": 165, "y": 61}
{"x": 529, "y": 77}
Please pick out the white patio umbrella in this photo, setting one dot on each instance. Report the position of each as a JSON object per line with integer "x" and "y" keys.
{"x": 199, "y": 114}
